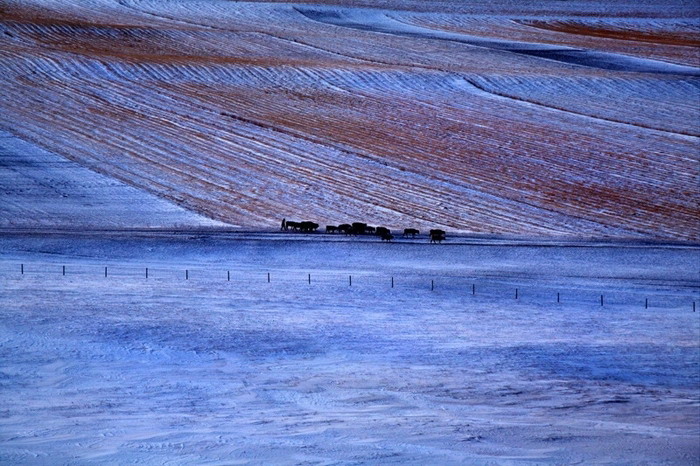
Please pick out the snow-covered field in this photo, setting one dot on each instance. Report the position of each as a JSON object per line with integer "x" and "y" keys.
{"x": 41, "y": 189}
{"x": 208, "y": 369}
{"x": 151, "y": 313}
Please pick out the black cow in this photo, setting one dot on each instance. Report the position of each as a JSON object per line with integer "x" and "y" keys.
{"x": 437, "y": 236}
{"x": 411, "y": 231}
{"x": 331, "y": 228}
{"x": 358, "y": 228}
{"x": 308, "y": 227}
{"x": 381, "y": 231}
{"x": 344, "y": 228}
{"x": 386, "y": 236}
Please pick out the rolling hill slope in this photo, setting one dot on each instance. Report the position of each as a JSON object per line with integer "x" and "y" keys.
{"x": 425, "y": 114}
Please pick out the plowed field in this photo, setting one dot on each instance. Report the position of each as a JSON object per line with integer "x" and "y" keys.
{"x": 579, "y": 120}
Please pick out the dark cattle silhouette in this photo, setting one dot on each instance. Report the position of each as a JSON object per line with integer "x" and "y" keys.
{"x": 437, "y": 236}
{"x": 308, "y": 226}
{"x": 386, "y": 236}
{"x": 381, "y": 231}
{"x": 305, "y": 227}
{"x": 358, "y": 228}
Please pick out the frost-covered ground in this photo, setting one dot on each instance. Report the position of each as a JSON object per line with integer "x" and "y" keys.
{"x": 126, "y": 368}
{"x": 41, "y": 189}
{"x": 133, "y": 329}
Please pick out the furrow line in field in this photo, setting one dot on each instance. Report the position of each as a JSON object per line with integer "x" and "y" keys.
{"x": 673, "y": 166}
{"x": 505, "y": 94}
{"x": 429, "y": 104}
{"x": 326, "y": 139}
{"x": 148, "y": 164}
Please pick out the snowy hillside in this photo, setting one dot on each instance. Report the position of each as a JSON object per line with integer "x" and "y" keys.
{"x": 41, "y": 189}
{"x": 574, "y": 119}
{"x": 152, "y": 312}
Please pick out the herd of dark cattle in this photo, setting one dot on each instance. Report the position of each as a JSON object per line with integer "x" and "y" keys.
{"x": 357, "y": 228}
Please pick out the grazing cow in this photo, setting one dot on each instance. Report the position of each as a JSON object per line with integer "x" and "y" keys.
{"x": 386, "y": 236}
{"x": 381, "y": 231}
{"x": 344, "y": 228}
{"x": 293, "y": 225}
{"x": 370, "y": 230}
{"x": 411, "y": 231}
{"x": 358, "y": 228}
{"x": 437, "y": 236}
{"x": 308, "y": 227}
{"x": 331, "y": 228}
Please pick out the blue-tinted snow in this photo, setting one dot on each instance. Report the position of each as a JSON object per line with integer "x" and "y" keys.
{"x": 127, "y": 368}
{"x": 42, "y": 189}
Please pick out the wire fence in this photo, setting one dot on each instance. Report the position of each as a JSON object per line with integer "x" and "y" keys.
{"x": 560, "y": 291}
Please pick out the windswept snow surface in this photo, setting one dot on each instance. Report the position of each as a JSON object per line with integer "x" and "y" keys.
{"x": 553, "y": 118}
{"x": 44, "y": 190}
{"x": 122, "y": 368}
{"x": 136, "y": 328}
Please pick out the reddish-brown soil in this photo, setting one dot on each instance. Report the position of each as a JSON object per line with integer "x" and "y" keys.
{"x": 249, "y": 122}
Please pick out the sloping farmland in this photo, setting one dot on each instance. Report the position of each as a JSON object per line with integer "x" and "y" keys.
{"x": 580, "y": 123}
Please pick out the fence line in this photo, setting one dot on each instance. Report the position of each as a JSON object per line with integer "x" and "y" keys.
{"x": 497, "y": 288}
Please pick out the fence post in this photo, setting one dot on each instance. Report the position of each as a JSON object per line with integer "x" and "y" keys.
{"x": 228, "y": 275}
{"x": 473, "y": 289}
{"x": 309, "y": 279}
{"x": 146, "y": 272}
{"x": 392, "y": 282}
{"x": 187, "y": 274}
{"x": 601, "y": 300}
{"x": 105, "y": 271}
{"x": 646, "y": 303}
{"x": 22, "y": 269}
{"x": 350, "y": 277}
{"x": 64, "y": 270}
{"x": 516, "y": 293}
{"x": 268, "y": 277}
{"x": 558, "y": 298}
{"x": 432, "y": 285}
{"x": 693, "y": 306}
